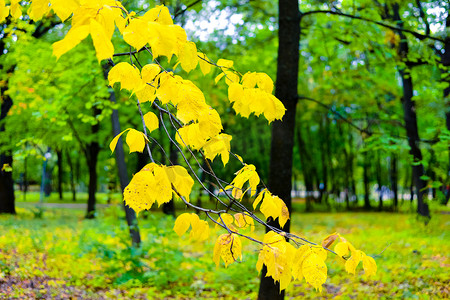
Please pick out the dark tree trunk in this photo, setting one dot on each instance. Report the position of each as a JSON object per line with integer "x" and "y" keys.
{"x": 394, "y": 178}
{"x": 411, "y": 121}
{"x": 169, "y": 207}
{"x": 280, "y": 168}
{"x": 130, "y": 214}
{"x": 379, "y": 182}
{"x": 366, "y": 167}
{"x": 446, "y": 62}
{"x": 59, "y": 154}
{"x": 323, "y": 157}
{"x": 92, "y": 150}
{"x": 305, "y": 161}
{"x": 72, "y": 177}
{"x": 7, "y": 200}
{"x": 92, "y": 157}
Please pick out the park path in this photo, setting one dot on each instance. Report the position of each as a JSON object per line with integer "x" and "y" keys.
{"x": 60, "y": 205}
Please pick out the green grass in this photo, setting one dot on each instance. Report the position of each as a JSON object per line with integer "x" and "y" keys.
{"x": 65, "y": 254}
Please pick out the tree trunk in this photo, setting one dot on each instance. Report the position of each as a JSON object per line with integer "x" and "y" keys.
{"x": 72, "y": 177}
{"x": 305, "y": 160}
{"x": 410, "y": 118}
{"x": 60, "y": 173}
{"x": 394, "y": 178}
{"x": 379, "y": 182}
{"x": 446, "y": 62}
{"x": 7, "y": 200}
{"x": 92, "y": 149}
{"x": 130, "y": 214}
{"x": 282, "y": 143}
{"x": 366, "y": 181}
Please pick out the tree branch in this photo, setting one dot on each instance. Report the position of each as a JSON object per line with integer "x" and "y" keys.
{"x": 416, "y": 34}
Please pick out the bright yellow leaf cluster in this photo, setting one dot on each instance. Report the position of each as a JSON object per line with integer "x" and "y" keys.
{"x": 272, "y": 206}
{"x": 343, "y": 248}
{"x": 254, "y": 95}
{"x": 239, "y": 221}
{"x": 200, "y": 228}
{"x": 155, "y": 183}
{"x": 247, "y": 173}
{"x": 284, "y": 262}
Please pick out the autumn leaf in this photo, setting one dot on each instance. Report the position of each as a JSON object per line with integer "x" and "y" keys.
{"x": 151, "y": 121}
{"x": 228, "y": 247}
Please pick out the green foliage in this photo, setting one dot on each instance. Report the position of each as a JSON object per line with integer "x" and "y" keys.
{"x": 67, "y": 254}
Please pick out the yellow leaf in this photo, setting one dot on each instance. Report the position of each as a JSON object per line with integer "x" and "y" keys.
{"x": 75, "y": 35}
{"x": 162, "y": 39}
{"x": 135, "y": 140}
{"x": 188, "y": 57}
{"x": 315, "y": 271}
{"x": 203, "y": 61}
{"x": 200, "y": 230}
{"x": 341, "y": 249}
{"x": 243, "y": 221}
{"x": 15, "y": 9}
{"x": 151, "y": 121}
{"x": 103, "y": 47}
{"x": 136, "y": 33}
{"x": 181, "y": 180}
{"x": 227, "y": 221}
{"x": 149, "y": 73}
{"x": 219, "y": 145}
{"x": 4, "y": 11}
{"x": 160, "y": 14}
{"x": 229, "y": 248}
{"x": 113, "y": 143}
{"x": 320, "y": 251}
{"x": 38, "y": 8}
{"x": 300, "y": 255}
{"x": 182, "y": 224}
{"x": 64, "y": 8}
{"x": 369, "y": 265}
{"x": 147, "y": 186}
{"x": 127, "y": 75}
{"x": 353, "y": 261}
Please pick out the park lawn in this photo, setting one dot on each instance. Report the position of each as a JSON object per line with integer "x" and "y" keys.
{"x": 64, "y": 255}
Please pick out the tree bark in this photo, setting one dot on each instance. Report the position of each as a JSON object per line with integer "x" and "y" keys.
{"x": 72, "y": 177}
{"x": 59, "y": 154}
{"x": 446, "y": 62}
{"x": 282, "y": 143}
{"x": 92, "y": 150}
{"x": 130, "y": 214}
{"x": 394, "y": 178}
{"x": 410, "y": 118}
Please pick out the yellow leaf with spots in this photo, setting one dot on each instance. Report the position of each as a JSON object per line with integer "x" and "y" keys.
{"x": 151, "y": 121}
{"x": 228, "y": 247}
{"x": 300, "y": 255}
{"x": 244, "y": 221}
{"x": 315, "y": 271}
